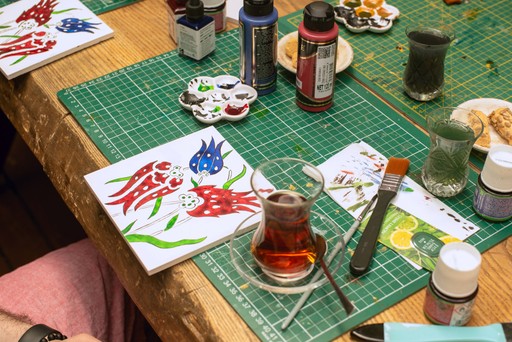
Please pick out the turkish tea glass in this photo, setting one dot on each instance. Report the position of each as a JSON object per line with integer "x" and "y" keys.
{"x": 423, "y": 78}
{"x": 453, "y": 131}
{"x": 283, "y": 245}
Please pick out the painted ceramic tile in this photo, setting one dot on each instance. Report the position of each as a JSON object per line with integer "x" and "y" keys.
{"x": 37, "y": 32}
{"x": 354, "y": 175}
{"x": 178, "y": 199}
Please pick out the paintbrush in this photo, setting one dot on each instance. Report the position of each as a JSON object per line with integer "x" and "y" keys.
{"x": 332, "y": 255}
{"x": 395, "y": 172}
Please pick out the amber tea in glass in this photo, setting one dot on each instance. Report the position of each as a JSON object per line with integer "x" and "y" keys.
{"x": 286, "y": 247}
{"x": 284, "y": 243}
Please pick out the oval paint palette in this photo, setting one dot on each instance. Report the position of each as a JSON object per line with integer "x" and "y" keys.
{"x": 220, "y": 98}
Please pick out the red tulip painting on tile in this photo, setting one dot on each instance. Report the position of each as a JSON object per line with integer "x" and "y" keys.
{"x": 40, "y": 13}
{"x": 150, "y": 182}
{"x": 29, "y": 44}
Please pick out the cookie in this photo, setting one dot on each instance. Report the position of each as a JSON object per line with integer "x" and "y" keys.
{"x": 485, "y": 138}
{"x": 501, "y": 120}
{"x": 292, "y": 46}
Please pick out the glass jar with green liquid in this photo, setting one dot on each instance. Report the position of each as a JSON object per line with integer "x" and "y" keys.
{"x": 453, "y": 131}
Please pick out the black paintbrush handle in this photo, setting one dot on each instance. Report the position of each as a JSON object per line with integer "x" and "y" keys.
{"x": 360, "y": 261}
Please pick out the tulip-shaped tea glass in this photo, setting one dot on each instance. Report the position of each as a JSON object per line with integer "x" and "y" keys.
{"x": 283, "y": 245}
{"x": 423, "y": 77}
{"x": 453, "y": 131}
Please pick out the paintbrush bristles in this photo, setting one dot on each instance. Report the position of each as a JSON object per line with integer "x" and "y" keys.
{"x": 397, "y": 166}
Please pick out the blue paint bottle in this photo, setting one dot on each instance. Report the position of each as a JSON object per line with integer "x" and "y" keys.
{"x": 258, "y": 45}
{"x": 196, "y": 32}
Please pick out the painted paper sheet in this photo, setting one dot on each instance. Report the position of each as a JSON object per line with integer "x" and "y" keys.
{"x": 36, "y": 32}
{"x": 416, "y": 225}
{"x": 178, "y": 199}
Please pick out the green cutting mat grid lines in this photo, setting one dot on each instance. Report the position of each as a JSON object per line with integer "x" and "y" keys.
{"x": 136, "y": 108}
{"x": 96, "y": 6}
{"x": 478, "y": 63}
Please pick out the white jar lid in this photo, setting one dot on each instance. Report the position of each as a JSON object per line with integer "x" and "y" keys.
{"x": 213, "y": 3}
{"x": 457, "y": 268}
{"x": 497, "y": 171}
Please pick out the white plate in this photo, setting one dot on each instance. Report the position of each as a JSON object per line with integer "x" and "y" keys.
{"x": 343, "y": 59}
{"x": 486, "y": 106}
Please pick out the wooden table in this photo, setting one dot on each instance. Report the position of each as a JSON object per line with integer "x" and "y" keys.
{"x": 180, "y": 303}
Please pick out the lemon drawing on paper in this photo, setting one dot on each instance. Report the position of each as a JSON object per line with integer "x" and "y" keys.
{"x": 408, "y": 223}
{"x": 448, "y": 239}
{"x": 401, "y": 239}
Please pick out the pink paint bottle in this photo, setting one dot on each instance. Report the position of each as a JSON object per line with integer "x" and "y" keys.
{"x": 316, "y": 62}
{"x": 453, "y": 286}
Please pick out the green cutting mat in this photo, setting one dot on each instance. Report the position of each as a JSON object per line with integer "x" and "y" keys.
{"x": 136, "y": 108}
{"x": 478, "y": 64}
{"x": 96, "y": 6}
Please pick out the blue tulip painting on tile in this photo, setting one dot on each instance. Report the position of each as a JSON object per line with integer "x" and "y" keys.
{"x": 208, "y": 160}
{"x": 72, "y": 25}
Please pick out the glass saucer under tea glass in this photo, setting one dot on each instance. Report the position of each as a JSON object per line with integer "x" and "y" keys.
{"x": 246, "y": 266}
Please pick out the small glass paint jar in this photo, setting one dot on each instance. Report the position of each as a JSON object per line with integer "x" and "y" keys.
{"x": 453, "y": 286}
{"x": 217, "y": 10}
{"x": 196, "y": 32}
{"x": 493, "y": 194}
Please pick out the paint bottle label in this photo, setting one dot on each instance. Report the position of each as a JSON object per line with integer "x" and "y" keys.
{"x": 316, "y": 72}
{"x": 491, "y": 205}
{"x": 440, "y": 309}
{"x": 263, "y": 57}
{"x": 196, "y": 43}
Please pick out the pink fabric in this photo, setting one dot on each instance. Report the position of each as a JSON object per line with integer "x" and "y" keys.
{"x": 73, "y": 290}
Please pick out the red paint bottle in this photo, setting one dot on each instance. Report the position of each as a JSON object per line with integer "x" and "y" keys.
{"x": 316, "y": 62}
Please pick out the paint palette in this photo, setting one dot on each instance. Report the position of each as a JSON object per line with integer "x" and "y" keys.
{"x": 366, "y": 15}
{"x": 221, "y": 98}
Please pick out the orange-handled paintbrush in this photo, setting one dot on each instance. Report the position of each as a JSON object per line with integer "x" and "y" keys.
{"x": 395, "y": 172}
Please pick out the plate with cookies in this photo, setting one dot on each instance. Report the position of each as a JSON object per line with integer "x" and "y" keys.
{"x": 497, "y": 118}
{"x": 287, "y": 53}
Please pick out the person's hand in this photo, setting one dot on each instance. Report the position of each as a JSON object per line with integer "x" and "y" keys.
{"x": 82, "y": 338}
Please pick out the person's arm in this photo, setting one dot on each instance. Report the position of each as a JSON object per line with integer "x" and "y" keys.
{"x": 13, "y": 327}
